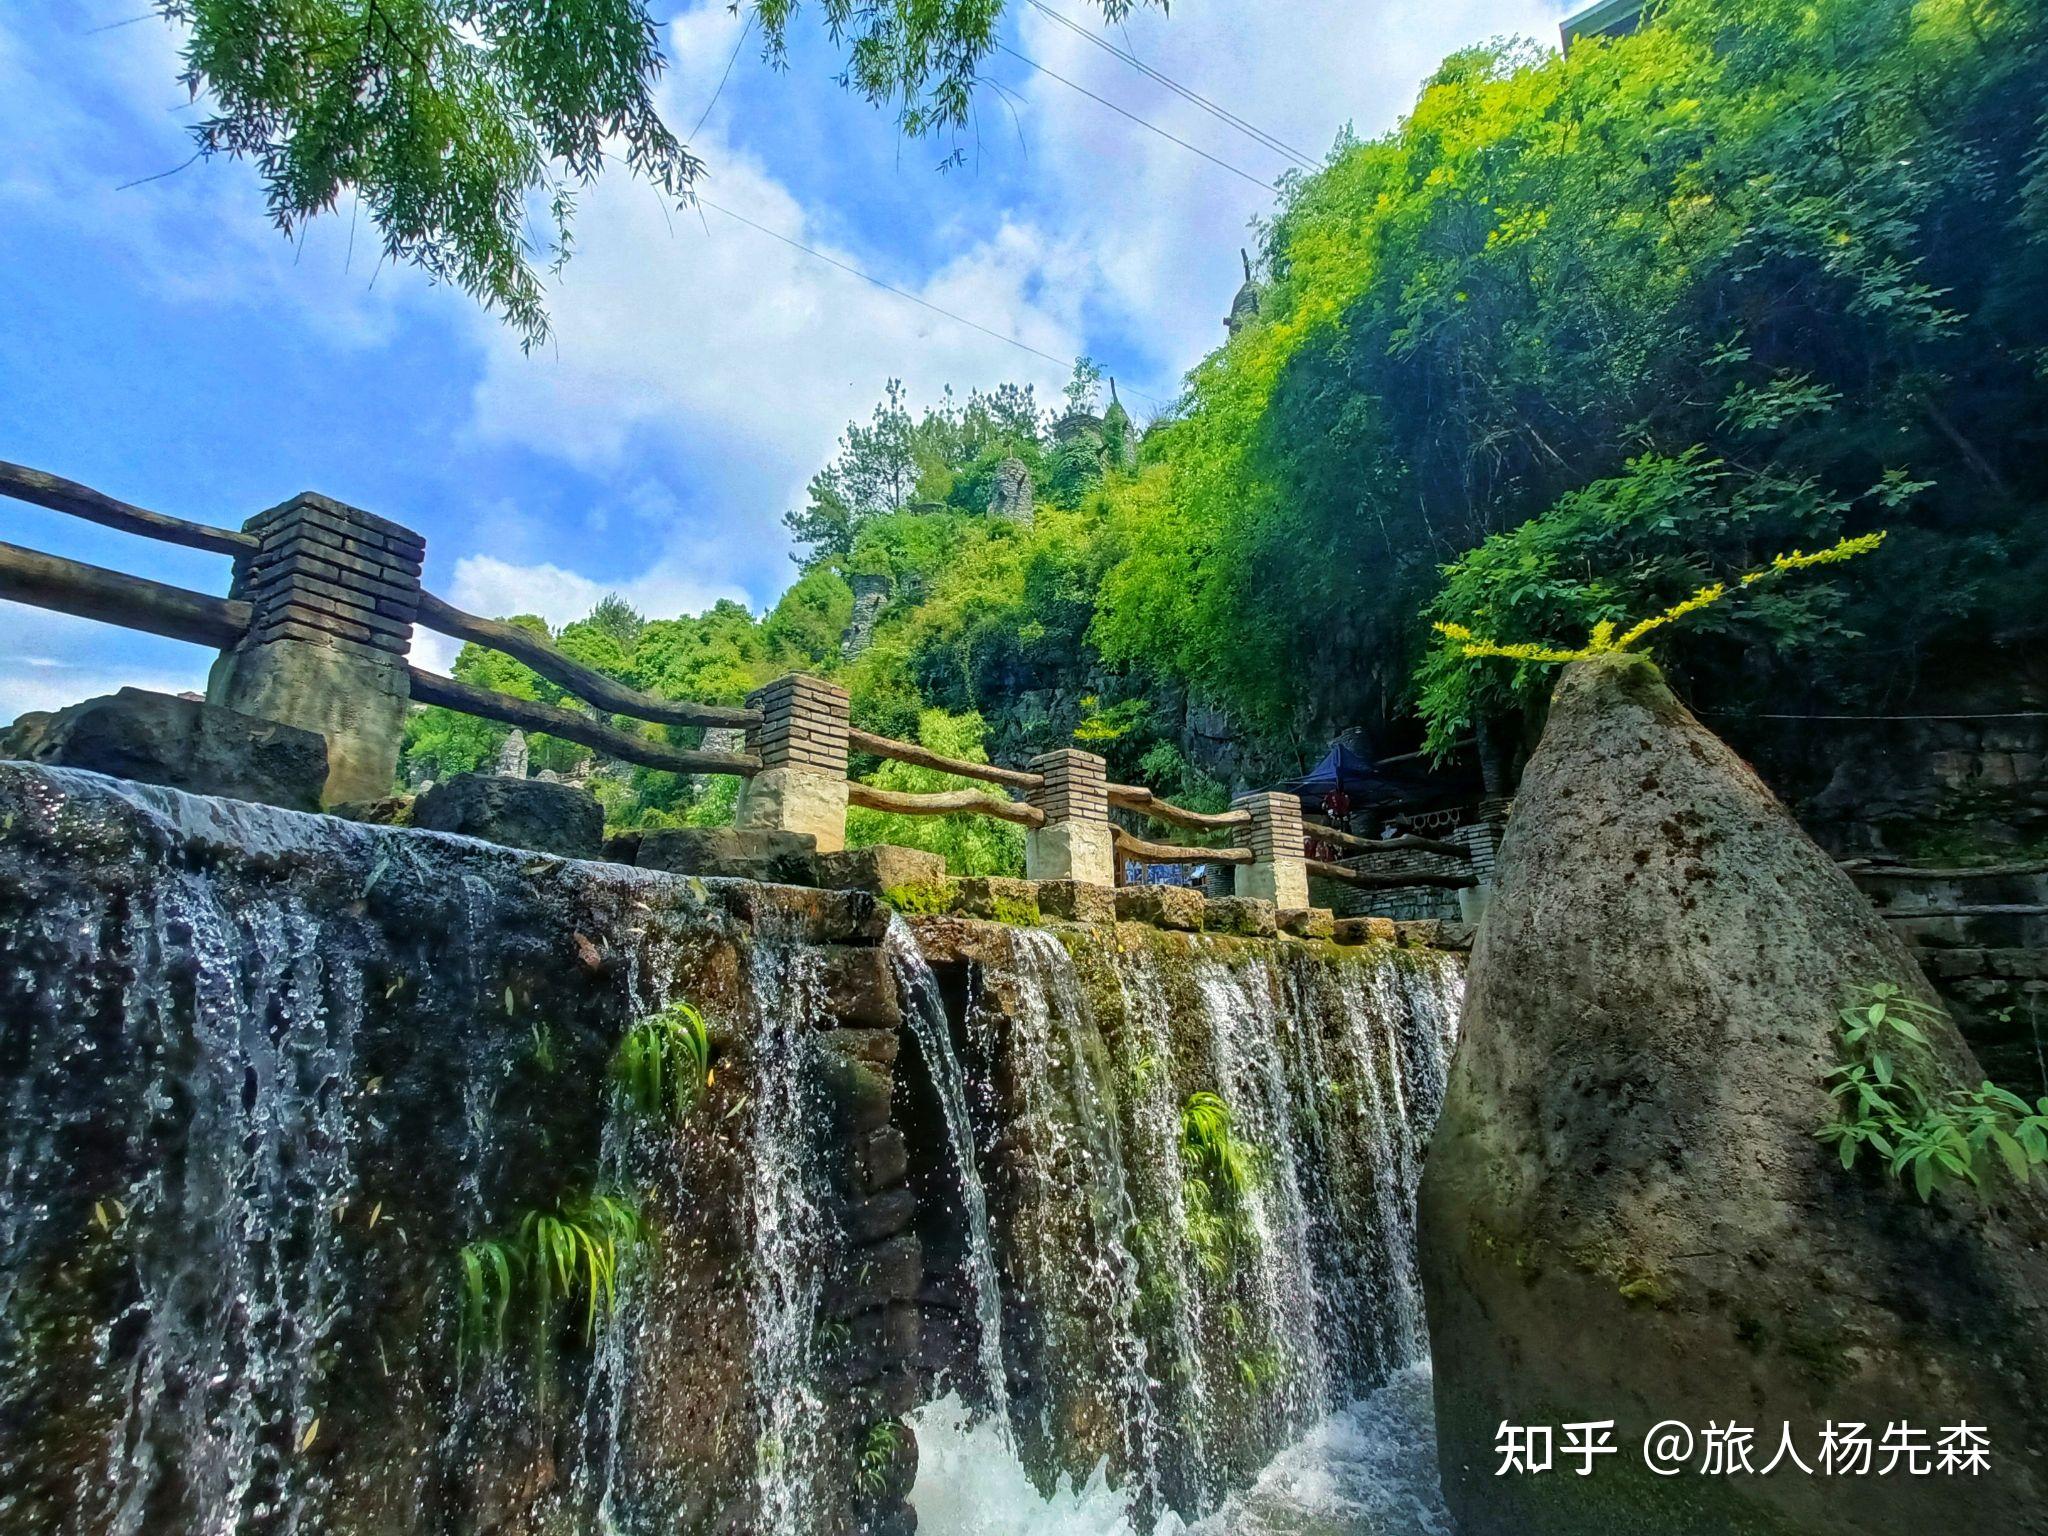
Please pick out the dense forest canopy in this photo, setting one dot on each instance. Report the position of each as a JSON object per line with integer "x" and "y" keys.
{"x": 1580, "y": 335}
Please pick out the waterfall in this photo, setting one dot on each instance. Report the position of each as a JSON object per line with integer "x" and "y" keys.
{"x": 790, "y": 1233}
{"x": 231, "y": 1055}
{"x": 926, "y": 1013}
{"x": 269, "y": 1077}
{"x": 1075, "y": 1150}
{"x": 1305, "y": 1339}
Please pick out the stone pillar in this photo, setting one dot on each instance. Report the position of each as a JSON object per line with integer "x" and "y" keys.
{"x": 1074, "y": 843}
{"x": 334, "y": 590}
{"x": 1279, "y": 871}
{"x": 801, "y": 742}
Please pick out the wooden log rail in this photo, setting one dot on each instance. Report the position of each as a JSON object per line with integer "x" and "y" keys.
{"x": 1374, "y": 881}
{"x": 1134, "y": 847}
{"x": 858, "y": 740}
{"x": 1407, "y": 842}
{"x": 586, "y": 683}
{"x": 1135, "y": 797}
{"x": 61, "y": 495}
{"x": 92, "y": 592}
{"x": 944, "y": 803}
{"x": 430, "y": 688}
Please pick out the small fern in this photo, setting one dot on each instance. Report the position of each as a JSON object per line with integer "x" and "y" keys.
{"x": 1221, "y": 1170}
{"x": 877, "y": 1452}
{"x": 664, "y": 1063}
{"x": 581, "y": 1247}
{"x": 583, "y": 1250}
{"x": 1212, "y": 1151}
{"x": 489, "y": 1283}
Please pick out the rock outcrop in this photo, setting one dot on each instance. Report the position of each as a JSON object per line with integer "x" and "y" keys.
{"x": 181, "y": 743}
{"x": 1626, "y": 1215}
{"x": 520, "y": 813}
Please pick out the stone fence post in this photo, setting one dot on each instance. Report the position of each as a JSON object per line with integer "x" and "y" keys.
{"x": 1279, "y": 870}
{"x": 1074, "y": 843}
{"x": 801, "y": 742}
{"x": 334, "y": 591}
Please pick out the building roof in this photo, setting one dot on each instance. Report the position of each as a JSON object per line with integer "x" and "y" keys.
{"x": 1603, "y": 18}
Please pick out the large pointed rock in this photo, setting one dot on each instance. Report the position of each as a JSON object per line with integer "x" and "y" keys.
{"x": 1625, "y": 1215}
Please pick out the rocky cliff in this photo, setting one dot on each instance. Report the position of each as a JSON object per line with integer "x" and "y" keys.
{"x": 1626, "y": 1213}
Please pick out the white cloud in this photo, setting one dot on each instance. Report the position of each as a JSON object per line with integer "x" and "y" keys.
{"x": 485, "y": 584}
{"x": 707, "y": 346}
{"x": 97, "y": 94}
{"x": 1166, "y": 225}
{"x": 54, "y": 659}
{"x": 696, "y": 334}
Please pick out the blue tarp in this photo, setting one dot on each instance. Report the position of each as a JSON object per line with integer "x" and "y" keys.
{"x": 1342, "y": 769}
{"x": 1367, "y": 783}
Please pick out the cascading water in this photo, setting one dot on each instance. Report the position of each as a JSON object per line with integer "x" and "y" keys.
{"x": 925, "y": 1012}
{"x": 791, "y": 1232}
{"x": 267, "y": 1076}
{"x": 1301, "y": 1337}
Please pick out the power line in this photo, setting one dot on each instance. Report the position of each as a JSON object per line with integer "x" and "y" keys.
{"x": 901, "y": 293}
{"x": 736, "y": 47}
{"x": 1141, "y": 122}
{"x": 1195, "y": 98}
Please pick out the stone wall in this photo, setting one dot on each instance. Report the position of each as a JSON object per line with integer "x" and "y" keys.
{"x": 1982, "y": 939}
{"x": 324, "y": 1058}
{"x": 1906, "y": 787}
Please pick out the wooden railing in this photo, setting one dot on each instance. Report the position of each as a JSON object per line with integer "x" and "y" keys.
{"x": 316, "y": 572}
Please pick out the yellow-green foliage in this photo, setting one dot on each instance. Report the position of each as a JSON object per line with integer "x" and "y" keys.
{"x": 970, "y": 845}
{"x": 662, "y": 1065}
{"x": 1603, "y": 641}
{"x": 1220, "y": 1173}
{"x": 920, "y": 898}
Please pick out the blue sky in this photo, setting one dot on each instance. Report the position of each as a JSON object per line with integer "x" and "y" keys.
{"x": 161, "y": 342}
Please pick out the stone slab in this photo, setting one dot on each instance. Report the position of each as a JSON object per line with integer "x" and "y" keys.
{"x": 1000, "y": 897}
{"x": 1163, "y": 906}
{"x": 1307, "y": 922}
{"x": 158, "y": 738}
{"x": 1246, "y": 916}
{"x": 1364, "y": 930}
{"x": 736, "y": 853}
{"x": 1077, "y": 901}
{"x": 520, "y": 813}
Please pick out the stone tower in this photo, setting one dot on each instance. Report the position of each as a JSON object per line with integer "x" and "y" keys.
{"x": 1244, "y": 309}
{"x": 1009, "y": 498}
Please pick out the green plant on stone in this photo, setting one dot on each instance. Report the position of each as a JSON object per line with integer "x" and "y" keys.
{"x": 489, "y": 1280}
{"x": 1261, "y": 1369}
{"x": 1212, "y": 1152}
{"x": 664, "y": 1063}
{"x": 1882, "y": 1103}
{"x": 920, "y": 898}
{"x": 877, "y": 1452}
{"x": 1220, "y": 1170}
{"x": 583, "y": 1249}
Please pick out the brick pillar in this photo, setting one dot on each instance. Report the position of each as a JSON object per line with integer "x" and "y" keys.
{"x": 801, "y": 742}
{"x": 1279, "y": 871}
{"x": 334, "y": 591}
{"x": 1074, "y": 843}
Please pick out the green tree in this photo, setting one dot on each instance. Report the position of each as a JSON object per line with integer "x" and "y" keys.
{"x": 447, "y": 117}
{"x": 970, "y": 845}
{"x": 1581, "y": 324}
